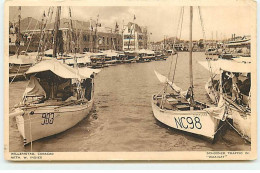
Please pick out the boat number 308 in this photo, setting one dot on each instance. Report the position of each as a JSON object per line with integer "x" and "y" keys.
{"x": 188, "y": 122}
{"x": 48, "y": 118}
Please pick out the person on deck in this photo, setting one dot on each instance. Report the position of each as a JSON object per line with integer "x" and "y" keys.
{"x": 235, "y": 89}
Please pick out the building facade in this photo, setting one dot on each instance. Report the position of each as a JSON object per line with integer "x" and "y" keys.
{"x": 81, "y": 36}
{"x": 134, "y": 37}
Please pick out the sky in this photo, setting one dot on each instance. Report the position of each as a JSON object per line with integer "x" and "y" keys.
{"x": 219, "y": 21}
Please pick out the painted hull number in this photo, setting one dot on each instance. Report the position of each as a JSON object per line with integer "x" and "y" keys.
{"x": 48, "y": 118}
{"x": 188, "y": 122}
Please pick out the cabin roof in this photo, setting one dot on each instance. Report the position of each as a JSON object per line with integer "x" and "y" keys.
{"x": 62, "y": 70}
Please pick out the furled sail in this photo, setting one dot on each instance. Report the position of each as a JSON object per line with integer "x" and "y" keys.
{"x": 219, "y": 112}
{"x": 164, "y": 79}
{"x": 34, "y": 88}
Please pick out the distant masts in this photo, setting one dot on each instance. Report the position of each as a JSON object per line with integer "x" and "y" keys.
{"x": 56, "y": 30}
{"x": 19, "y": 30}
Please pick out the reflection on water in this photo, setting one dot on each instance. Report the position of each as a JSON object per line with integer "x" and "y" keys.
{"x": 123, "y": 120}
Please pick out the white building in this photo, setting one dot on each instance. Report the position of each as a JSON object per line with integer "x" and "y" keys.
{"x": 134, "y": 37}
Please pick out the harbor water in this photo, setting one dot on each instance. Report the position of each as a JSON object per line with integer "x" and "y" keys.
{"x": 122, "y": 118}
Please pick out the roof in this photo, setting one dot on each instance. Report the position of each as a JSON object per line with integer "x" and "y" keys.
{"x": 110, "y": 53}
{"x": 61, "y": 70}
{"x": 31, "y": 24}
{"x": 76, "y": 24}
{"x": 136, "y": 27}
{"x": 28, "y": 23}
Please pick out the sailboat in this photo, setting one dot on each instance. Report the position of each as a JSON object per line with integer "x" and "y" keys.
{"x": 179, "y": 110}
{"x": 21, "y": 61}
{"x": 230, "y": 76}
{"x": 56, "y": 98}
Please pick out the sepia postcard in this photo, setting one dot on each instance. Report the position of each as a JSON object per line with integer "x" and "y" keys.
{"x": 130, "y": 80}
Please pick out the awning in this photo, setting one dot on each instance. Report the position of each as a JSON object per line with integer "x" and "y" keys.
{"x": 61, "y": 70}
{"x": 226, "y": 65}
{"x": 84, "y": 60}
{"x": 142, "y": 51}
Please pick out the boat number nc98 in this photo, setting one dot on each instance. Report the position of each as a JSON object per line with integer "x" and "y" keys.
{"x": 188, "y": 122}
{"x": 48, "y": 118}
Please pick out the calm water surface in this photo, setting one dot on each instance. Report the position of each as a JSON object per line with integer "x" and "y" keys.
{"x": 122, "y": 119}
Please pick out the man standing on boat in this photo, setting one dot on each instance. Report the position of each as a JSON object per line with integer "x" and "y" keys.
{"x": 235, "y": 89}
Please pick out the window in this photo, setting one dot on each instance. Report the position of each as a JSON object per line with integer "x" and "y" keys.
{"x": 128, "y": 36}
{"x": 84, "y": 37}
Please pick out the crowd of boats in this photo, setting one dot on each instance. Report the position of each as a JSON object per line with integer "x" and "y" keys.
{"x": 18, "y": 65}
{"x": 229, "y": 88}
{"x": 60, "y": 91}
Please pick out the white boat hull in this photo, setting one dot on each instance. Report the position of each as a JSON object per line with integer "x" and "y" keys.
{"x": 197, "y": 122}
{"x": 37, "y": 123}
{"x": 242, "y": 123}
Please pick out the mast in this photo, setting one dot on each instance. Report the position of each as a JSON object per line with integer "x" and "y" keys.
{"x": 190, "y": 58}
{"x": 129, "y": 38}
{"x": 19, "y": 31}
{"x": 95, "y": 39}
{"x": 72, "y": 42}
{"x": 56, "y": 30}
{"x": 91, "y": 37}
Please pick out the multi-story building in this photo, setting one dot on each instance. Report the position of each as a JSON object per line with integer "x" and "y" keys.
{"x": 134, "y": 37}
{"x": 84, "y": 37}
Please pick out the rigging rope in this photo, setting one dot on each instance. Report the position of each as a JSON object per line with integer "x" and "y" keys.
{"x": 73, "y": 41}
{"x": 15, "y": 74}
{"x": 179, "y": 24}
{"x": 30, "y": 131}
{"x": 209, "y": 64}
{"x": 176, "y": 61}
{"x": 242, "y": 135}
{"x": 42, "y": 37}
{"x": 31, "y": 37}
{"x": 179, "y": 27}
{"x": 50, "y": 14}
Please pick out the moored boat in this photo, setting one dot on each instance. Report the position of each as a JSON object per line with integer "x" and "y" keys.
{"x": 232, "y": 79}
{"x": 56, "y": 98}
{"x": 212, "y": 51}
{"x": 174, "y": 110}
{"x": 178, "y": 109}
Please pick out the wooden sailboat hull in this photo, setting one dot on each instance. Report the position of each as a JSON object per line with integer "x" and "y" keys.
{"x": 242, "y": 123}
{"x": 37, "y": 123}
{"x": 241, "y": 120}
{"x": 197, "y": 122}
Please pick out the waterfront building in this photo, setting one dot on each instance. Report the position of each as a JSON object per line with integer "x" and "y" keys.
{"x": 86, "y": 38}
{"x": 135, "y": 37}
